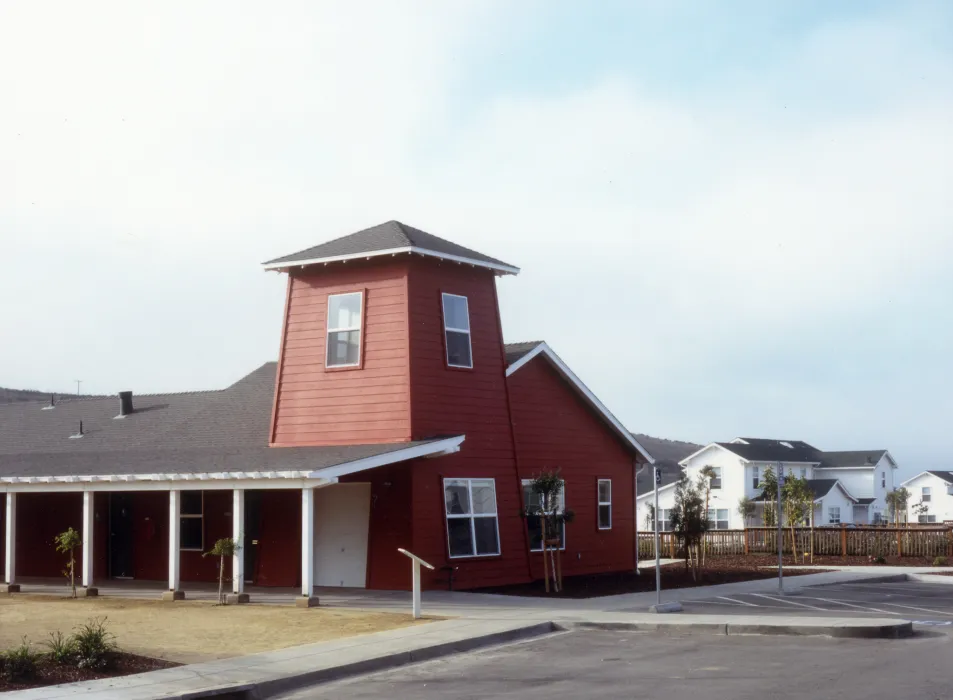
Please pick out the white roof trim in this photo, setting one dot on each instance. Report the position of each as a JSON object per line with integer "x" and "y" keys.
{"x": 544, "y": 349}
{"x": 497, "y": 267}
{"x": 927, "y": 473}
{"x": 661, "y": 488}
{"x": 221, "y": 480}
{"x": 707, "y": 447}
{"x": 843, "y": 488}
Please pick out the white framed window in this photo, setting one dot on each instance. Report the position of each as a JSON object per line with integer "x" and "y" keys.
{"x": 755, "y": 478}
{"x": 191, "y": 521}
{"x": 926, "y": 494}
{"x": 345, "y": 316}
{"x": 803, "y": 476}
{"x": 833, "y": 515}
{"x": 665, "y": 523}
{"x": 718, "y": 518}
{"x": 456, "y": 330}
{"x": 604, "y": 505}
{"x": 534, "y": 524}
{"x": 716, "y": 479}
{"x": 923, "y": 519}
{"x": 883, "y": 480}
{"x": 472, "y": 525}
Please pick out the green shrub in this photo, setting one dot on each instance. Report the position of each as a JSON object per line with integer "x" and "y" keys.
{"x": 62, "y": 650}
{"x": 880, "y": 560}
{"x": 939, "y": 561}
{"x": 94, "y": 646}
{"x": 19, "y": 663}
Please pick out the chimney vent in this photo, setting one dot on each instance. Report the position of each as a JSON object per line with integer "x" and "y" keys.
{"x": 125, "y": 404}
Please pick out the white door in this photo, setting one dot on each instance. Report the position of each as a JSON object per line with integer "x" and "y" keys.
{"x": 341, "y": 517}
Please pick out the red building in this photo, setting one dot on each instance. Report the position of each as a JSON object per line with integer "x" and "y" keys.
{"x": 395, "y": 417}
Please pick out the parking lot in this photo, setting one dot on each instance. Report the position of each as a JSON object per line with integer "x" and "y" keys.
{"x": 924, "y": 603}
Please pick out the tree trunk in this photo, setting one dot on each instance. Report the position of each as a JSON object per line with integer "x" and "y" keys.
{"x": 221, "y": 580}
{"x": 812, "y": 533}
{"x": 72, "y": 571}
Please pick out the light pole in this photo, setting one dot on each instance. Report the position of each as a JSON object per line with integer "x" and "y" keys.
{"x": 658, "y": 557}
{"x": 780, "y": 531}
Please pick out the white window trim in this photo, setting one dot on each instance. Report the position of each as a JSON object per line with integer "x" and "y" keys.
{"x": 830, "y": 515}
{"x": 359, "y": 328}
{"x": 443, "y": 305}
{"x": 756, "y": 478}
{"x": 926, "y": 494}
{"x": 471, "y": 516}
{"x": 719, "y": 476}
{"x": 194, "y": 516}
{"x": 714, "y": 521}
{"x": 600, "y": 503}
{"x": 562, "y": 495}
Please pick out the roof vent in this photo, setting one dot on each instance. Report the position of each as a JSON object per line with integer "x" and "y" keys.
{"x": 79, "y": 434}
{"x": 125, "y": 404}
{"x": 787, "y": 444}
{"x": 51, "y": 405}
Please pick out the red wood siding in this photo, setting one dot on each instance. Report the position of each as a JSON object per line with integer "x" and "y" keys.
{"x": 216, "y": 524}
{"x": 279, "y": 553}
{"x": 370, "y": 404}
{"x": 555, "y": 429}
{"x": 150, "y": 513}
{"x": 40, "y": 518}
{"x": 447, "y": 401}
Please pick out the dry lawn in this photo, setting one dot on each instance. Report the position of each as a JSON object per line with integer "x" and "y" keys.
{"x": 188, "y": 631}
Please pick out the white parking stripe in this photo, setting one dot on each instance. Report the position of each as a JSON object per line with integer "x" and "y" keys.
{"x": 851, "y": 605}
{"x": 913, "y": 607}
{"x": 740, "y": 602}
{"x": 789, "y": 602}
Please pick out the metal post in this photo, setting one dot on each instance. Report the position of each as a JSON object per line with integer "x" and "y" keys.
{"x": 658, "y": 548}
{"x": 780, "y": 531}
{"x": 415, "y": 583}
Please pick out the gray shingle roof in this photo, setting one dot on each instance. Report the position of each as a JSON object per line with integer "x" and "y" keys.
{"x": 945, "y": 475}
{"x": 667, "y": 454}
{"x": 193, "y": 432}
{"x": 388, "y": 236}
{"x": 515, "y": 351}
{"x": 765, "y": 450}
{"x": 852, "y": 458}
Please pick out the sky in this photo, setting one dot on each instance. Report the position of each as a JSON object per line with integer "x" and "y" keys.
{"x": 733, "y": 218}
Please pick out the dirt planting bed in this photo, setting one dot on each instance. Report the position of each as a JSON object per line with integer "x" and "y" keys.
{"x": 49, "y": 673}
{"x": 722, "y": 569}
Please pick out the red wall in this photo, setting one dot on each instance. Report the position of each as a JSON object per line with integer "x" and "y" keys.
{"x": 40, "y": 517}
{"x": 369, "y": 404}
{"x": 217, "y": 523}
{"x": 279, "y": 542}
{"x": 150, "y": 513}
{"x": 447, "y": 401}
{"x": 3, "y": 534}
{"x": 555, "y": 429}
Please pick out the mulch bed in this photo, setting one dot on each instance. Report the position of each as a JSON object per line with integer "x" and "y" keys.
{"x": 50, "y": 673}
{"x": 721, "y": 569}
{"x": 830, "y": 560}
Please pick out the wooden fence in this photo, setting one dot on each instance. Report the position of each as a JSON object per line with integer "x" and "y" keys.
{"x": 836, "y": 541}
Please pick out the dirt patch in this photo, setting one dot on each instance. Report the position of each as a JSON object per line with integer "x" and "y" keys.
{"x": 49, "y": 673}
{"x": 828, "y": 560}
{"x": 723, "y": 569}
{"x": 188, "y": 631}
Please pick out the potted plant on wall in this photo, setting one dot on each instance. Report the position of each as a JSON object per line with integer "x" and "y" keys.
{"x": 547, "y": 505}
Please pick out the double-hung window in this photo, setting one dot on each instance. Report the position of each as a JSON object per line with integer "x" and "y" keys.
{"x": 833, "y": 515}
{"x": 472, "y": 527}
{"x": 456, "y": 329}
{"x": 191, "y": 532}
{"x": 803, "y": 476}
{"x": 665, "y": 522}
{"x": 718, "y": 518}
{"x": 345, "y": 313}
{"x": 716, "y": 479}
{"x": 924, "y": 519}
{"x": 883, "y": 480}
{"x": 604, "y": 504}
{"x": 755, "y": 478}
{"x": 927, "y": 495}
{"x": 534, "y": 523}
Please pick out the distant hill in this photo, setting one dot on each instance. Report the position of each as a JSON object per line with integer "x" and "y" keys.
{"x": 15, "y": 395}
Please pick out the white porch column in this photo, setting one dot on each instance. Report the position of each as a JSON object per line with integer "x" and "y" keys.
{"x": 307, "y": 598}
{"x": 175, "y": 510}
{"x": 10, "y": 546}
{"x": 89, "y": 500}
{"x": 238, "y": 535}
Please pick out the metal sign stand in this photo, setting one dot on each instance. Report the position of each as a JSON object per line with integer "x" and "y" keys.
{"x": 415, "y": 563}
{"x": 780, "y": 532}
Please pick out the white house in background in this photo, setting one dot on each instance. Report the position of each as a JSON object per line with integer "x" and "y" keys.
{"x": 849, "y": 487}
{"x": 935, "y": 490}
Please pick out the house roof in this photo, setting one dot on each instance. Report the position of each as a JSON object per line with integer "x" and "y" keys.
{"x": 389, "y": 238}
{"x": 852, "y": 458}
{"x": 865, "y": 501}
{"x": 516, "y": 351}
{"x": 200, "y": 432}
{"x": 765, "y": 450}
{"x": 524, "y": 355}
{"x": 820, "y": 488}
{"x": 946, "y": 476}
{"x": 667, "y": 454}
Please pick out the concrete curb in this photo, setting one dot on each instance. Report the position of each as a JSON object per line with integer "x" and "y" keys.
{"x": 840, "y": 630}
{"x": 931, "y": 578}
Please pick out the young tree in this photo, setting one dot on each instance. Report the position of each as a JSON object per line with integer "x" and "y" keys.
{"x": 224, "y": 548}
{"x": 705, "y": 476}
{"x": 650, "y": 518}
{"x": 547, "y": 488}
{"x": 897, "y": 501}
{"x": 921, "y": 509}
{"x": 769, "y": 494}
{"x": 67, "y": 542}
{"x": 689, "y": 520}
{"x": 746, "y": 509}
{"x": 798, "y": 501}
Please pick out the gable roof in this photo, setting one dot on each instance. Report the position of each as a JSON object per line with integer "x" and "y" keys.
{"x": 764, "y": 450}
{"x": 667, "y": 454}
{"x": 524, "y": 356}
{"x": 389, "y": 238}
{"x": 516, "y": 351}
{"x": 852, "y": 458}
{"x": 820, "y": 488}
{"x": 223, "y": 431}
{"x": 946, "y": 476}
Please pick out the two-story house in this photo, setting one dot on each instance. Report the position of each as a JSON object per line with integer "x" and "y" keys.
{"x": 931, "y": 497}
{"x": 395, "y": 417}
{"x": 849, "y": 487}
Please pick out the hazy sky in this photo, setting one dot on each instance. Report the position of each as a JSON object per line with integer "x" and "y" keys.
{"x": 733, "y": 218}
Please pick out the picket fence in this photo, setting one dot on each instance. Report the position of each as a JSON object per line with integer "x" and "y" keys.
{"x": 837, "y": 541}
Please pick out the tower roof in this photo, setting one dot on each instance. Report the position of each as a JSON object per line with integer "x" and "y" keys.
{"x": 390, "y": 238}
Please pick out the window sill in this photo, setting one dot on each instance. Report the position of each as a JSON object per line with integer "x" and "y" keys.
{"x": 191, "y": 549}
{"x": 474, "y": 556}
{"x": 454, "y": 368}
{"x": 344, "y": 368}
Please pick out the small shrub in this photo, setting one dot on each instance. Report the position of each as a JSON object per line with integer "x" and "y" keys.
{"x": 95, "y": 646}
{"x": 939, "y": 561}
{"x": 62, "y": 650}
{"x": 880, "y": 559}
{"x": 19, "y": 664}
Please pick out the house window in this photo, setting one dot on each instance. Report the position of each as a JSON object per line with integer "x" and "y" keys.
{"x": 718, "y": 518}
{"x": 472, "y": 528}
{"x": 803, "y": 474}
{"x": 833, "y": 515}
{"x": 923, "y": 519}
{"x": 344, "y": 329}
{"x": 456, "y": 327}
{"x": 665, "y": 524}
{"x": 534, "y": 524}
{"x": 926, "y": 494}
{"x": 605, "y": 504}
{"x": 190, "y": 521}
{"x": 716, "y": 479}
{"x": 755, "y": 478}
{"x": 883, "y": 480}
